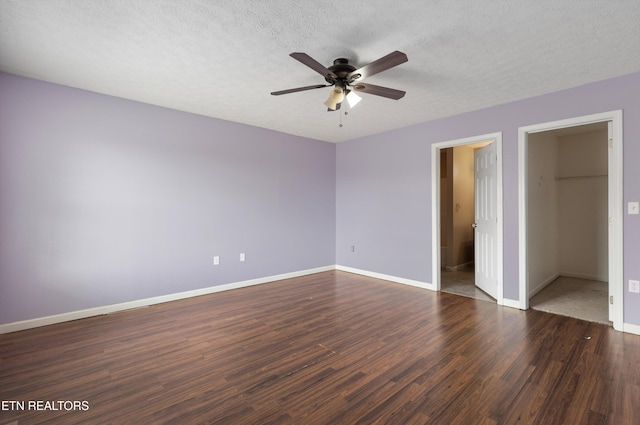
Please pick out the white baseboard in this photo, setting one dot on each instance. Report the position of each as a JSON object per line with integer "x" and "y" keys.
{"x": 543, "y": 285}
{"x": 395, "y": 279}
{"x": 97, "y": 311}
{"x": 585, "y": 276}
{"x": 632, "y": 329}
{"x": 547, "y": 281}
{"x": 511, "y": 303}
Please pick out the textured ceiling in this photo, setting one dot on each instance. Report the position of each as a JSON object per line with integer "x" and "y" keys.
{"x": 223, "y": 58}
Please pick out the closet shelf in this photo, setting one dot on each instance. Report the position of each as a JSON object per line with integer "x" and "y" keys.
{"x": 594, "y": 176}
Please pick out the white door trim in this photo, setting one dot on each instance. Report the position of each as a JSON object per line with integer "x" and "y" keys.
{"x": 435, "y": 205}
{"x": 615, "y": 205}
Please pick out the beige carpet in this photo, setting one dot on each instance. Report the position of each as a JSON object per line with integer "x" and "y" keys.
{"x": 567, "y": 296}
{"x": 580, "y": 298}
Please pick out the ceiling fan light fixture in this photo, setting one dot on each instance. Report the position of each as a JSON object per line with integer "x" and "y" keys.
{"x": 336, "y": 96}
{"x": 353, "y": 98}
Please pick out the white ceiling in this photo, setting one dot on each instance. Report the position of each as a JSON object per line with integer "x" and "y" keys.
{"x": 223, "y": 58}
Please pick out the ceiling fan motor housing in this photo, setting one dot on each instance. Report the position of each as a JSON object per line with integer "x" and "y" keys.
{"x": 341, "y": 68}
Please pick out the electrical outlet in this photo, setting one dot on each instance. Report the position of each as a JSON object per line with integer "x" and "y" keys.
{"x": 216, "y": 260}
{"x": 242, "y": 256}
{"x": 634, "y": 286}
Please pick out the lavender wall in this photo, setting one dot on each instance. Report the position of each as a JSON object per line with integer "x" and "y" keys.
{"x": 104, "y": 200}
{"x": 383, "y": 197}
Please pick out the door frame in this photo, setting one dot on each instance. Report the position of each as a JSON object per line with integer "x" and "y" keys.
{"x": 435, "y": 205}
{"x": 615, "y": 192}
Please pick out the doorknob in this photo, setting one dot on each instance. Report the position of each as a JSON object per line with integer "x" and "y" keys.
{"x": 474, "y": 225}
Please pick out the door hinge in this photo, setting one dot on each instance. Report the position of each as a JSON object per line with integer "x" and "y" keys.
{"x": 611, "y": 299}
{"x": 610, "y": 143}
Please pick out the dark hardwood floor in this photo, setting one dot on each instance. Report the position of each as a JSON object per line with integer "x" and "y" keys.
{"x": 330, "y": 348}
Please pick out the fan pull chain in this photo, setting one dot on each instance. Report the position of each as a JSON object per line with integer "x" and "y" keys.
{"x": 345, "y": 113}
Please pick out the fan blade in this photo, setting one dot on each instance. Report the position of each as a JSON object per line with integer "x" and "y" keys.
{"x": 314, "y": 64}
{"x": 379, "y": 91}
{"x": 382, "y": 64}
{"x": 318, "y": 86}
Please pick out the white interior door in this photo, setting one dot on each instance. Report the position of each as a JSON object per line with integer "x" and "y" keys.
{"x": 486, "y": 219}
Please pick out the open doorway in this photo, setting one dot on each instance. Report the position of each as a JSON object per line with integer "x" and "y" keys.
{"x": 467, "y": 217}
{"x": 570, "y": 227}
{"x": 457, "y": 221}
{"x": 568, "y": 221}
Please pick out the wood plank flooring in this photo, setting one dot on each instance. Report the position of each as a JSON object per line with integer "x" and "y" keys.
{"x": 329, "y": 348}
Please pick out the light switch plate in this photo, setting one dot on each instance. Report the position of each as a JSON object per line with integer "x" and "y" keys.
{"x": 633, "y": 208}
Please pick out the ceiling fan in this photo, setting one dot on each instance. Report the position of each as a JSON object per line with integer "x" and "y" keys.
{"x": 345, "y": 78}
